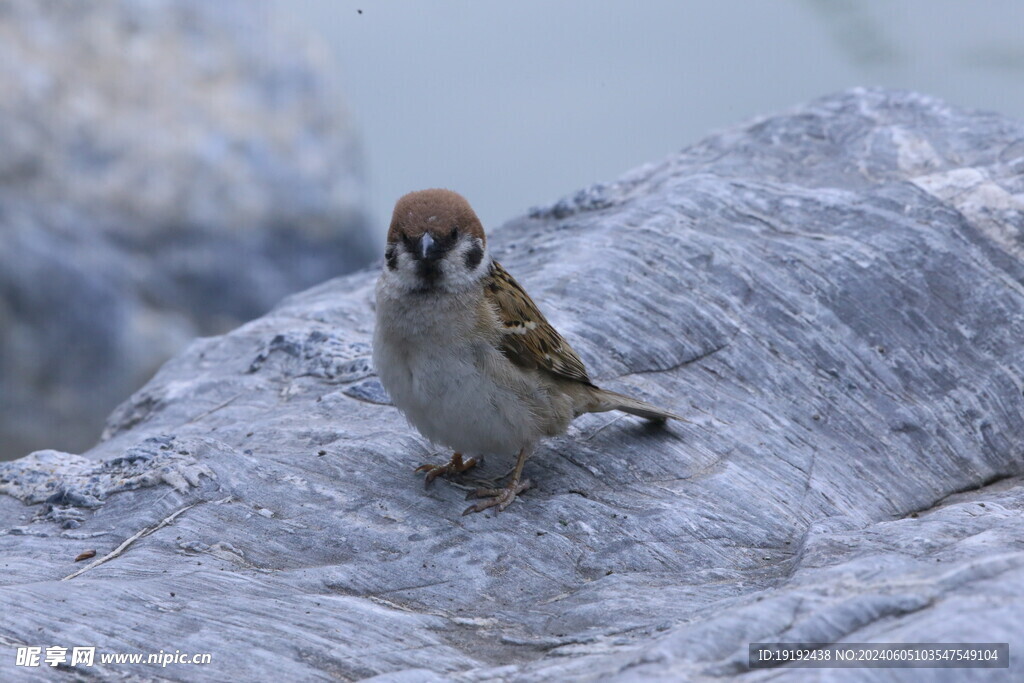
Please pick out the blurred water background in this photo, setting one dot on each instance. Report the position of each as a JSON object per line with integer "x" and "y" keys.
{"x": 172, "y": 168}
{"x": 517, "y": 103}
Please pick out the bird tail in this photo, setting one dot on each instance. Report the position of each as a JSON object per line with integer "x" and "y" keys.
{"x": 604, "y": 400}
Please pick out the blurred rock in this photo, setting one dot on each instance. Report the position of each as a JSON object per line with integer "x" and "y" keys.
{"x": 167, "y": 169}
{"x": 844, "y": 339}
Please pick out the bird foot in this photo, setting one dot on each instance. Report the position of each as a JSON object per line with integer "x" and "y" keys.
{"x": 455, "y": 466}
{"x": 500, "y": 498}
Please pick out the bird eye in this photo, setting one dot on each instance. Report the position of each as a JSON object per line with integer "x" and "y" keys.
{"x": 454, "y": 233}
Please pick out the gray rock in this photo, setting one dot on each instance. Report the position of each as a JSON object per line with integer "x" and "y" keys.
{"x": 832, "y": 296}
{"x": 167, "y": 169}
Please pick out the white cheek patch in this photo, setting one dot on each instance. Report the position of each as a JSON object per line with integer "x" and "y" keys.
{"x": 456, "y": 275}
{"x": 405, "y": 275}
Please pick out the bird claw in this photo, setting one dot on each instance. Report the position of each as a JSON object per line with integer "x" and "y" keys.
{"x": 500, "y": 498}
{"x": 455, "y": 466}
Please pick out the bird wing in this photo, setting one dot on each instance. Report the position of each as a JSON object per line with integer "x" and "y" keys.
{"x": 528, "y": 339}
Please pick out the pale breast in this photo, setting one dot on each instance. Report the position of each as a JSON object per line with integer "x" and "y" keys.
{"x": 448, "y": 395}
{"x": 455, "y": 388}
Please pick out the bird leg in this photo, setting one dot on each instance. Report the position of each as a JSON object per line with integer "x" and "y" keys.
{"x": 502, "y": 497}
{"x": 455, "y": 466}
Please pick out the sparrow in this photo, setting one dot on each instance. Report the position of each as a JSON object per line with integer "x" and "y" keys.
{"x": 464, "y": 352}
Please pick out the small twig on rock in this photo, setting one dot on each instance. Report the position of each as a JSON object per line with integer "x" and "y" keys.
{"x": 124, "y": 546}
{"x": 214, "y": 409}
{"x": 600, "y": 429}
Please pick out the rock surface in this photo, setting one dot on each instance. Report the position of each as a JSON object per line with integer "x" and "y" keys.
{"x": 167, "y": 169}
{"x": 833, "y": 297}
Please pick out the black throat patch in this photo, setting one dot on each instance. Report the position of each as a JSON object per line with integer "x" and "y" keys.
{"x": 429, "y": 272}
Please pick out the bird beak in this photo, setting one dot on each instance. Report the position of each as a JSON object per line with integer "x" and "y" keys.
{"x": 425, "y": 243}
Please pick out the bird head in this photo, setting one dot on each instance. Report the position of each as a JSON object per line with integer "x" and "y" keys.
{"x": 435, "y": 242}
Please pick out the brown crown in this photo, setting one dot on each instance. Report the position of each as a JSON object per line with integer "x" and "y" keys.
{"x": 436, "y": 211}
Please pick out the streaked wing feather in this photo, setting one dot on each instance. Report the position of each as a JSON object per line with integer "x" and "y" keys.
{"x": 529, "y": 340}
